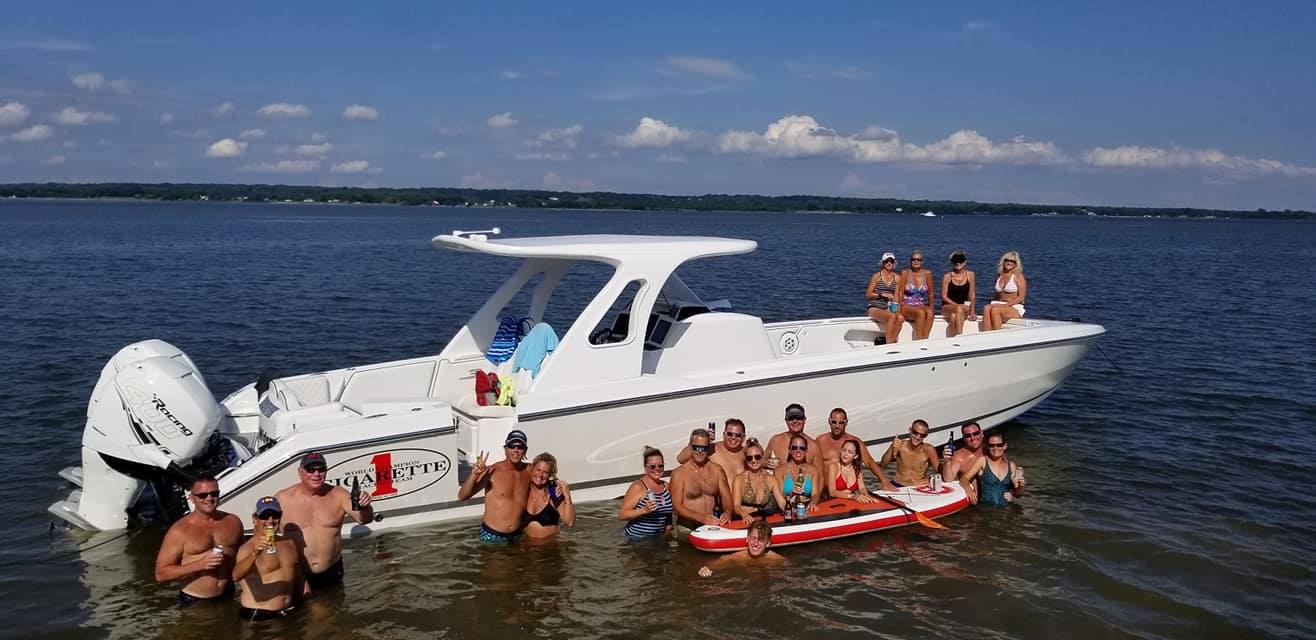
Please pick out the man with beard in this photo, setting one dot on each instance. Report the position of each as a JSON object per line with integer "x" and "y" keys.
{"x": 729, "y": 453}
{"x": 697, "y": 486}
{"x": 313, "y": 517}
{"x": 965, "y": 456}
{"x": 758, "y": 540}
{"x": 506, "y": 487}
{"x": 777, "y": 446}
{"x": 830, "y": 443}
{"x": 198, "y": 549}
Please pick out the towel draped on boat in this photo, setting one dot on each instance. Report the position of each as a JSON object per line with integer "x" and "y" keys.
{"x": 508, "y": 335}
{"x": 536, "y": 345}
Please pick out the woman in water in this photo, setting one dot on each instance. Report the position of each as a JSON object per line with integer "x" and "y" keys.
{"x": 992, "y": 479}
{"x": 914, "y": 286}
{"x": 881, "y": 293}
{"x": 958, "y": 290}
{"x": 847, "y": 474}
{"x": 799, "y": 480}
{"x": 647, "y": 506}
{"x": 549, "y": 505}
{"x": 1011, "y": 289}
{"x": 753, "y": 492}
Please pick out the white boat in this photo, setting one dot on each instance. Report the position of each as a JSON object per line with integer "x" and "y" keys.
{"x": 642, "y": 362}
{"x": 928, "y": 214}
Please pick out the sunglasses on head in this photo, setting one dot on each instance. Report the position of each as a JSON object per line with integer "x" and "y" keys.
{"x": 799, "y": 447}
{"x": 754, "y": 458}
{"x": 207, "y": 494}
{"x": 653, "y": 466}
{"x": 269, "y": 515}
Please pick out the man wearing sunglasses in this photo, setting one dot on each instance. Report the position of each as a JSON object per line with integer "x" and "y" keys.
{"x": 829, "y": 446}
{"x": 778, "y": 445}
{"x": 728, "y": 453}
{"x": 699, "y": 486}
{"x": 313, "y": 513}
{"x": 913, "y": 456}
{"x": 267, "y": 566}
{"x": 197, "y": 551}
{"x": 965, "y": 456}
{"x": 506, "y": 487}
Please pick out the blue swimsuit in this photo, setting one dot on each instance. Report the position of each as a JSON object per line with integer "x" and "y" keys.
{"x": 991, "y": 490}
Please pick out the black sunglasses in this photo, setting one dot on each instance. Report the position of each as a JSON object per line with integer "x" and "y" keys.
{"x": 267, "y": 515}
{"x": 518, "y": 447}
{"x": 973, "y": 434}
{"x": 701, "y": 448}
{"x": 315, "y": 469}
{"x": 653, "y": 466}
{"x": 733, "y": 434}
{"x": 921, "y": 434}
{"x": 754, "y": 458}
{"x": 995, "y": 445}
{"x": 799, "y": 447}
{"x": 207, "y": 494}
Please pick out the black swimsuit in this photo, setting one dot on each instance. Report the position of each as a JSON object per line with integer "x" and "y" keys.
{"x": 958, "y": 293}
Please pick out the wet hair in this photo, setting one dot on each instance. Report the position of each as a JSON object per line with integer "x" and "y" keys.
{"x": 1010, "y": 255}
{"x": 546, "y": 457}
{"x": 760, "y": 528}
{"x": 650, "y": 452}
{"x": 205, "y": 477}
{"x": 700, "y": 433}
{"x": 958, "y": 253}
{"x": 735, "y": 421}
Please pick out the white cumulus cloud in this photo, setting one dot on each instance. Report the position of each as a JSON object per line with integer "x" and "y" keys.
{"x": 284, "y": 166}
{"x": 226, "y": 148}
{"x": 91, "y": 81}
{"x": 72, "y": 117}
{"x": 251, "y": 134}
{"x": 512, "y": 75}
{"x": 13, "y": 113}
{"x": 502, "y": 120}
{"x": 318, "y": 137}
{"x": 1136, "y": 157}
{"x": 654, "y": 134}
{"x": 222, "y": 109}
{"x": 314, "y": 150}
{"x": 351, "y": 166}
{"x": 360, "y": 112}
{"x": 801, "y": 136}
{"x": 706, "y": 67}
{"x": 566, "y": 136}
{"x": 284, "y": 110}
{"x": 165, "y": 118}
{"x": 34, "y": 133}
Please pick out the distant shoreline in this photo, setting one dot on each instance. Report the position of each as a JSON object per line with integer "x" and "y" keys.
{"x": 600, "y": 201}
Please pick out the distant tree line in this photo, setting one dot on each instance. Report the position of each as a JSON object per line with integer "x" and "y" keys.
{"x": 596, "y": 200}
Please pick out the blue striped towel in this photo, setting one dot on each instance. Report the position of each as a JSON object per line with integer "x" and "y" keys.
{"x": 505, "y": 340}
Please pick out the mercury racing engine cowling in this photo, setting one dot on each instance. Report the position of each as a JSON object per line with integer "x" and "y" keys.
{"x": 150, "y": 413}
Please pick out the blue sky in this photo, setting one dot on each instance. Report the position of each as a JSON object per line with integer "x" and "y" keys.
{"x": 1160, "y": 104}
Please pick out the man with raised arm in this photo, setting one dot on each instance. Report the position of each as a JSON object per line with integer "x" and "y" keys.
{"x": 267, "y": 566}
{"x": 829, "y": 445}
{"x": 699, "y": 486}
{"x": 913, "y": 456}
{"x": 965, "y": 456}
{"x": 197, "y": 551}
{"x": 729, "y": 453}
{"x": 777, "y": 446}
{"x": 506, "y": 487}
{"x": 313, "y": 517}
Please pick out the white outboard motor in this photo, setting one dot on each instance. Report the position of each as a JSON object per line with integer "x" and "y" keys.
{"x": 150, "y": 413}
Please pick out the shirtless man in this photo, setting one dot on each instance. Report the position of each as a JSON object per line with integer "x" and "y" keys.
{"x": 267, "y": 567}
{"x": 965, "y": 456}
{"x": 729, "y": 453}
{"x": 829, "y": 446}
{"x": 913, "y": 456}
{"x": 758, "y": 539}
{"x": 313, "y": 517}
{"x": 698, "y": 486}
{"x": 778, "y": 445}
{"x": 197, "y": 551}
{"x": 506, "y": 487}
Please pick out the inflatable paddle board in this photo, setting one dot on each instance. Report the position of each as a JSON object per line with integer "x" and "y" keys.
{"x": 841, "y": 517}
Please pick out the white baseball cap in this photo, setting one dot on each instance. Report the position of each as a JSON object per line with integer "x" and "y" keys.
{"x": 887, "y": 256}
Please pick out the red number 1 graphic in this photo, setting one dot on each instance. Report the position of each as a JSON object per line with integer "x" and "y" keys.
{"x": 383, "y": 474}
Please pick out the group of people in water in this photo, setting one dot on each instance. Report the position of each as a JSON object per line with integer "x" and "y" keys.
{"x": 896, "y": 297}
{"x": 296, "y": 547}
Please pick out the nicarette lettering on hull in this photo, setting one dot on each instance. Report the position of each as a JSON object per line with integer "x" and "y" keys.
{"x": 391, "y": 473}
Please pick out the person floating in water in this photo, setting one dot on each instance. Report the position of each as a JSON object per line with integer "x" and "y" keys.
{"x": 993, "y": 480}
{"x": 758, "y": 543}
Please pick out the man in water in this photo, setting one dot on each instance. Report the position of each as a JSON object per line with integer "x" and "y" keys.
{"x": 729, "y": 453}
{"x": 758, "y": 540}
{"x": 965, "y": 456}
{"x": 506, "y": 487}
{"x": 313, "y": 517}
{"x": 829, "y": 446}
{"x": 268, "y": 566}
{"x": 198, "y": 550}
{"x": 777, "y": 446}
{"x": 913, "y": 457}
{"x": 699, "y": 487}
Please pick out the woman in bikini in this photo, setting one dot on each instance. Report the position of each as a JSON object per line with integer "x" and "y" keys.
{"x": 799, "y": 480}
{"x": 883, "y": 308}
{"x": 1011, "y": 289}
{"x": 753, "y": 492}
{"x": 958, "y": 290}
{"x": 847, "y": 474}
{"x": 548, "y": 507}
{"x": 915, "y": 304}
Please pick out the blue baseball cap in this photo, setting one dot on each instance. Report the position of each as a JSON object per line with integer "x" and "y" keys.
{"x": 268, "y": 503}
{"x": 516, "y": 435}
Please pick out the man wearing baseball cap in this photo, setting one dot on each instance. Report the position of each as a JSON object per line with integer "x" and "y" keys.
{"x": 794, "y": 426}
{"x": 313, "y": 517}
{"x": 506, "y": 486}
{"x": 267, "y": 566}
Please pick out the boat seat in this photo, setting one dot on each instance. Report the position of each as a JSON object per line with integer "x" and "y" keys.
{"x": 301, "y": 392}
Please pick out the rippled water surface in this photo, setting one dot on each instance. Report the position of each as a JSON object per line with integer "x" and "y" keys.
{"x": 1169, "y": 495}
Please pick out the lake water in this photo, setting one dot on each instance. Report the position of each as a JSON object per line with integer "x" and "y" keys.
{"x": 1169, "y": 497}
